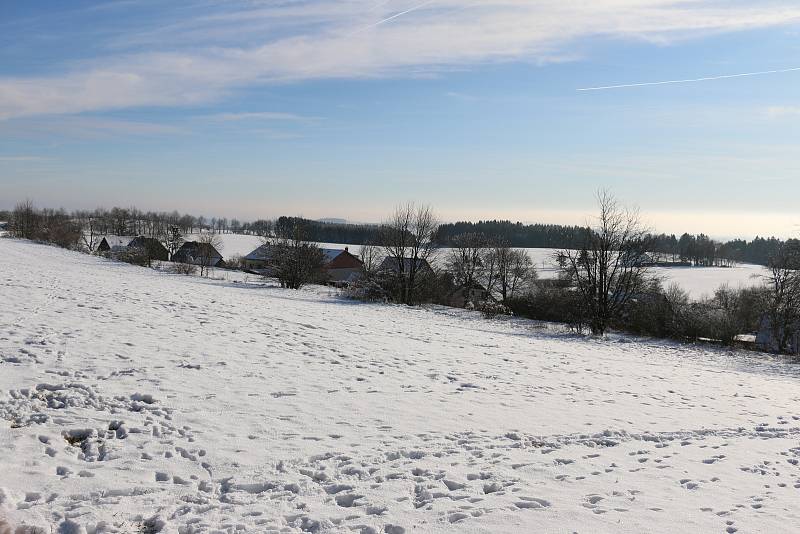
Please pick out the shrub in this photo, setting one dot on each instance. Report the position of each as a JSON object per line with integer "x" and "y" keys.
{"x": 235, "y": 262}
{"x": 492, "y": 309}
{"x": 134, "y": 256}
{"x": 366, "y": 290}
{"x": 552, "y": 302}
{"x": 182, "y": 268}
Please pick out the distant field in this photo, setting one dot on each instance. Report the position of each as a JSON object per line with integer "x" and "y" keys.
{"x": 696, "y": 281}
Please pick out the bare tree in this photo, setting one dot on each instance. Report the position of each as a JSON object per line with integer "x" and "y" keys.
{"x": 370, "y": 257}
{"x": 295, "y": 260}
{"x": 174, "y": 240}
{"x": 490, "y": 271}
{"x": 783, "y": 306}
{"x": 25, "y": 221}
{"x": 408, "y": 239}
{"x": 90, "y": 235}
{"x": 208, "y": 245}
{"x": 465, "y": 260}
{"x": 611, "y": 267}
{"x": 515, "y": 271}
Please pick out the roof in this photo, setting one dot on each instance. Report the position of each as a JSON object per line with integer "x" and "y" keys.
{"x": 189, "y": 246}
{"x": 116, "y": 241}
{"x": 263, "y": 253}
{"x": 330, "y": 254}
{"x": 260, "y": 254}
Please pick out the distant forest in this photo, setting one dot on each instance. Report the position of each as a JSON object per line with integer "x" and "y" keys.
{"x": 694, "y": 249}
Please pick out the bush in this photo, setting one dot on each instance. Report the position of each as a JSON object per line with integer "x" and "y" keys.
{"x": 235, "y": 262}
{"x": 134, "y": 256}
{"x": 366, "y": 290}
{"x": 182, "y": 268}
{"x": 670, "y": 313}
{"x": 551, "y": 302}
{"x": 492, "y": 309}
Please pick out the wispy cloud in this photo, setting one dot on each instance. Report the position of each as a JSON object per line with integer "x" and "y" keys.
{"x": 84, "y": 127}
{"x": 461, "y": 96}
{"x": 779, "y": 112}
{"x": 19, "y": 159}
{"x": 392, "y": 17}
{"x": 197, "y": 59}
{"x": 258, "y": 116}
{"x": 691, "y": 80}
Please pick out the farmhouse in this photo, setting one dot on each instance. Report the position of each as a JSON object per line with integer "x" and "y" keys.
{"x": 258, "y": 260}
{"x": 114, "y": 243}
{"x": 766, "y": 340}
{"x": 198, "y": 253}
{"x": 460, "y": 296}
{"x": 152, "y": 247}
{"x": 339, "y": 264}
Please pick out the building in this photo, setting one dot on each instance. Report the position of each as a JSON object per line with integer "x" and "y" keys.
{"x": 259, "y": 260}
{"x": 340, "y": 265}
{"x": 198, "y": 253}
{"x": 765, "y": 339}
{"x": 114, "y": 243}
{"x": 152, "y": 247}
{"x": 460, "y": 297}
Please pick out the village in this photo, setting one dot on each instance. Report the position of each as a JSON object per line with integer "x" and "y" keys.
{"x": 455, "y": 276}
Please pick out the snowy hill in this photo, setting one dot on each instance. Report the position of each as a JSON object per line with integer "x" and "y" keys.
{"x": 138, "y": 401}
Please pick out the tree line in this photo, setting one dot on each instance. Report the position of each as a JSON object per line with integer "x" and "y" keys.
{"x": 688, "y": 249}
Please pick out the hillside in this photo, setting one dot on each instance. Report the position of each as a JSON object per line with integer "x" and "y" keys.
{"x": 138, "y": 401}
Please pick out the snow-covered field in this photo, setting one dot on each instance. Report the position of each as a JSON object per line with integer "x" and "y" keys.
{"x": 133, "y": 400}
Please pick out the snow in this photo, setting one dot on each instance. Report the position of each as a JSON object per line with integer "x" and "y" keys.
{"x": 132, "y": 400}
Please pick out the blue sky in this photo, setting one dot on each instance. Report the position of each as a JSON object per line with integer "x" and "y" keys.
{"x": 325, "y": 108}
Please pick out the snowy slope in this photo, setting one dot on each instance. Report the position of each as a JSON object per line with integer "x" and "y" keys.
{"x": 139, "y": 401}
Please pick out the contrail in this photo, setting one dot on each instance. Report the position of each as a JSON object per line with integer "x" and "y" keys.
{"x": 692, "y": 80}
{"x": 396, "y": 15}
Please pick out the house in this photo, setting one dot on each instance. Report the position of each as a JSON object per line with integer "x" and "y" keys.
{"x": 259, "y": 260}
{"x": 198, "y": 253}
{"x": 153, "y": 248}
{"x": 765, "y": 339}
{"x": 392, "y": 265}
{"x": 460, "y": 297}
{"x": 340, "y": 265}
{"x": 114, "y": 243}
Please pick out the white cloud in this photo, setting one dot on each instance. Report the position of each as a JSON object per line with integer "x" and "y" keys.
{"x": 258, "y": 116}
{"x": 87, "y": 127}
{"x": 202, "y": 59}
{"x": 19, "y": 159}
{"x": 781, "y": 112}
